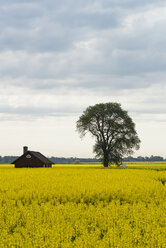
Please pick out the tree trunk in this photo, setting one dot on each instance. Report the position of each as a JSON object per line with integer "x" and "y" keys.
{"x": 105, "y": 160}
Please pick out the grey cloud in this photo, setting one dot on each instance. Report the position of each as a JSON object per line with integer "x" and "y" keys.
{"x": 93, "y": 20}
{"x": 48, "y": 26}
{"x": 21, "y": 16}
{"x": 38, "y": 111}
{"x": 157, "y": 111}
{"x": 130, "y": 4}
{"x": 38, "y": 41}
{"x": 112, "y": 83}
{"x": 31, "y": 27}
{"x": 88, "y": 82}
{"x": 54, "y": 45}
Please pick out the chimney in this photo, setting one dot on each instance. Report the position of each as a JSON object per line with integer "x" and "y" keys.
{"x": 25, "y": 149}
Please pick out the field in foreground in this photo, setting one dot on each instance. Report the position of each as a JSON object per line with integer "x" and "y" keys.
{"x": 83, "y": 206}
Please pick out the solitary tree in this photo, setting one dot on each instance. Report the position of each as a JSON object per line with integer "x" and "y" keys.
{"x": 113, "y": 129}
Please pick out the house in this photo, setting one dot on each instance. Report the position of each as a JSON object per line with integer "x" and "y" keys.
{"x": 32, "y": 159}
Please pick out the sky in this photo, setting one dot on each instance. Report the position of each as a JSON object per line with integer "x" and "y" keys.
{"x": 59, "y": 57}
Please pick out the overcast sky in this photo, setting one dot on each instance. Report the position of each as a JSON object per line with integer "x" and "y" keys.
{"x": 59, "y": 57}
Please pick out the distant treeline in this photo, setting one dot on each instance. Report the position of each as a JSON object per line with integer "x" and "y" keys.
{"x": 7, "y": 159}
{"x": 55, "y": 160}
{"x": 146, "y": 159}
{"x": 72, "y": 160}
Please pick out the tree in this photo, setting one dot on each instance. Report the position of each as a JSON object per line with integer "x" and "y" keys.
{"x": 113, "y": 129}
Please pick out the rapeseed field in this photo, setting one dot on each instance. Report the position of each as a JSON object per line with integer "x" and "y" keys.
{"x": 82, "y": 206}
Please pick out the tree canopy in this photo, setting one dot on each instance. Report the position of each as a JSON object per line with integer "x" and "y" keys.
{"x": 113, "y": 129}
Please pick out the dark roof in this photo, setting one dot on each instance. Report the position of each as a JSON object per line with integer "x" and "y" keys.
{"x": 38, "y": 155}
{"x": 41, "y": 157}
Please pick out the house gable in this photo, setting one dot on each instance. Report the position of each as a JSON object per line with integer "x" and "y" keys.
{"x": 32, "y": 159}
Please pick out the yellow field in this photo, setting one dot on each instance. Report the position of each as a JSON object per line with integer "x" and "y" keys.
{"x": 83, "y": 206}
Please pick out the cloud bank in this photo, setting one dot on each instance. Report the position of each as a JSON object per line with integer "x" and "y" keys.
{"x": 66, "y": 55}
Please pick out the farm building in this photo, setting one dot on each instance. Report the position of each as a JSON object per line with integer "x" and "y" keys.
{"x": 32, "y": 159}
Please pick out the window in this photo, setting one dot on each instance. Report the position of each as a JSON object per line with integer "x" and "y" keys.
{"x": 28, "y": 156}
